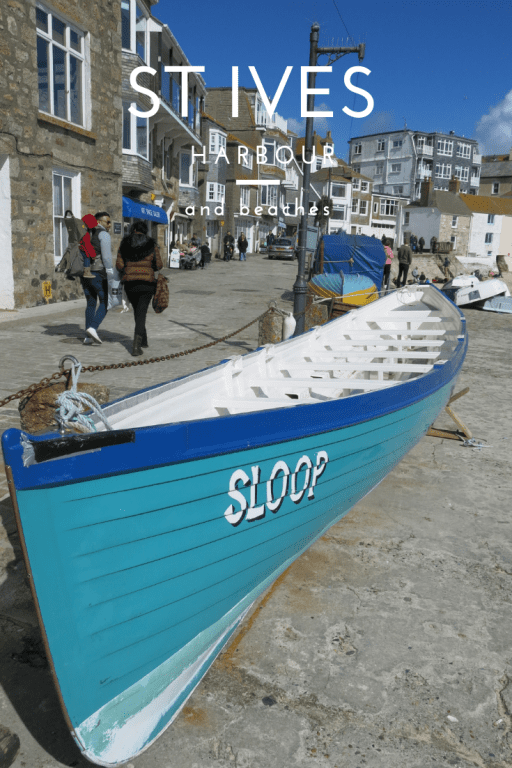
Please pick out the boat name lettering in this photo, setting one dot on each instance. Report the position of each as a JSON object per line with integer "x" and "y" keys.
{"x": 282, "y": 479}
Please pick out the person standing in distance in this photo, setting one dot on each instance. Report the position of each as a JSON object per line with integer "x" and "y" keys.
{"x": 242, "y": 246}
{"x": 96, "y": 289}
{"x": 137, "y": 260}
{"x": 404, "y": 262}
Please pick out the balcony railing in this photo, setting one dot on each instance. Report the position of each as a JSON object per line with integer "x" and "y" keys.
{"x": 424, "y": 173}
{"x": 477, "y": 158}
{"x": 424, "y": 149}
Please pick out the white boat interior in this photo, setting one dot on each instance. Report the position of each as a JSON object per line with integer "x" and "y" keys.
{"x": 383, "y": 344}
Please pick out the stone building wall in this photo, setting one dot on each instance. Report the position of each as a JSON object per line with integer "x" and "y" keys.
{"x": 461, "y": 231}
{"x": 36, "y": 143}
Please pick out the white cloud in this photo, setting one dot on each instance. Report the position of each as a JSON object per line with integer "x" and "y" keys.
{"x": 379, "y": 122}
{"x": 320, "y": 124}
{"x": 494, "y": 130}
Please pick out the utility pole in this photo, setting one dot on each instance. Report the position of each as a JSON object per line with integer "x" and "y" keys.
{"x": 300, "y": 286}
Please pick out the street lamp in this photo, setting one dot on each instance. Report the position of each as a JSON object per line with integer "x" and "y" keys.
{"x": 334, "y": 53}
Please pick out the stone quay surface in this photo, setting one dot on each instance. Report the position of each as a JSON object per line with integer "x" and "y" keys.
{"x": 386, "y": 645}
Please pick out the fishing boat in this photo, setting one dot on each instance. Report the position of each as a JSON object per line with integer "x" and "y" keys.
{"x": 148, "y": 540}
{"x": 466, "y": 290}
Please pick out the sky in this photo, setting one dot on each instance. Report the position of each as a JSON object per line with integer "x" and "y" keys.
{"x": 435, "y": 65}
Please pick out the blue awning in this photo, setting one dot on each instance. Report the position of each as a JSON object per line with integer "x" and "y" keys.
{"x": 135, "y": 210}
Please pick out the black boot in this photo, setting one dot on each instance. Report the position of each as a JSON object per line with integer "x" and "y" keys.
{"x": 137, "y": 349}
{"x": 144, "y": 342}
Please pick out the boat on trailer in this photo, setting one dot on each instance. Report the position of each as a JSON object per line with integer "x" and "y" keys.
{"x": 147, "y": 544}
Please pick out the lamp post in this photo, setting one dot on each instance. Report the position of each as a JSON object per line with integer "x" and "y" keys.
{"x": 334, "y": 53}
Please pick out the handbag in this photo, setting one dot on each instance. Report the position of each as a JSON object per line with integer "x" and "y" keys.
{"x": 161, "y": 297}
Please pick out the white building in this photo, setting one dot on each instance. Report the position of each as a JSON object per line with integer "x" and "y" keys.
{"x": 490, "y": 230}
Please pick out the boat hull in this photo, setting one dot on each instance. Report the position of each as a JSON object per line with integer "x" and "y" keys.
{"x": 151, "y": 570}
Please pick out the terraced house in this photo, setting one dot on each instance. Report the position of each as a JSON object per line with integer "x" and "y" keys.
{"x": 398, "y": 161}
{"x": 266, "y": 157}
{"x": 160, "y": 178}
{"x": 60, "y": 137}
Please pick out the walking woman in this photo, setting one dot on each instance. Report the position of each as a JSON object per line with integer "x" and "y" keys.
{"x": 242, "y": 246}
{"x": 137, "y": 260}
{"x": 387, "y": 266}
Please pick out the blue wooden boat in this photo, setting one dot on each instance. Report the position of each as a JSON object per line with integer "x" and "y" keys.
{"x": 146, "y": 545}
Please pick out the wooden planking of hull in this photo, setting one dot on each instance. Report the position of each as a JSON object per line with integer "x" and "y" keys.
{"x": 146, "y": 545}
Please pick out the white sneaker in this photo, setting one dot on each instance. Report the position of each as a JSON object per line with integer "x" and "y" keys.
{"x": 93, "y": 334}
{"x": 88, "y": 341}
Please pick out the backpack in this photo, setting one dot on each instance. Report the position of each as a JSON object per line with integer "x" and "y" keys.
{"x": 72, "y": 263}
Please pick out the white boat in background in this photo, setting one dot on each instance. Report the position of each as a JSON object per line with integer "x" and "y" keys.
{"x": 469, "y": 289}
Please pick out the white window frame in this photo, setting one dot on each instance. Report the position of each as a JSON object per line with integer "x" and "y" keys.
{"x": 247, "y": 161}
{"x": 445, "y": 147}
{"x": 398, "y": 190}
{"x": 343, "y": 189}
{"x": 339, "y": 209}
{"x": 407, "y": 217}
{"x": 488, "y": 238}
{"x": 135, "y": 122}
{"x": 495, "y": 188}
{"x": 379, "y": 169}
{"x": 356, "y": 169}
{"x": 363, "y": 207}
{"x": 365, "y": 186}
{"x": 388, "y": 207}
{"x": 462, "y": 172}
{"x": 396, "y": 168}
{"x": 381, "y": 145}
{"x": 83, "y": 56}
{"x": 443, "y": 170}
{"x": 60, "y": 238}
{"x": 245, "y": 196}
{"x": 356, "y": 184}
{"x": 355, "y": 205}
{"x": 397, "y": 143}
{"x": 191, "y": 182}
{"x": 463, "y": 150}
{"x": 216, "y": 193}
{"x": 358, "y": 149}
{"x": 454, "y": 221}
{"x": 453, "y": 240}
{"x": 134, "y": 4}
{"x": 268, "y": 194}
{"x": 490, "y": 218}
{"x": 217, "y": 142}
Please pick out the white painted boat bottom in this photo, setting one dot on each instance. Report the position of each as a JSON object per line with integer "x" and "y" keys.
{"x": 108, "y": 738}
{"x": 383, "y": 344}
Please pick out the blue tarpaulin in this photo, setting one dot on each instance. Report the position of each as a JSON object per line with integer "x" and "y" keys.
{"x": 132, "y": 209}
{"x": 352, "y": 254}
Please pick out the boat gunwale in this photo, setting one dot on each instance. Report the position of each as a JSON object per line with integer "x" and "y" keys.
{"x": 33, "y": 477}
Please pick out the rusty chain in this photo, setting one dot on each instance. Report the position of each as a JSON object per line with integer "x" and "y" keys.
{"x": 128, "y": 364}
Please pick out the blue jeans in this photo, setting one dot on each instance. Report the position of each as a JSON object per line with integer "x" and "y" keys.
{"x": 242, "y": 256}
{"x": 95, "y": 289}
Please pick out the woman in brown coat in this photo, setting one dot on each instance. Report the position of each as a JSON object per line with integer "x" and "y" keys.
{"x": 137, "y": 260}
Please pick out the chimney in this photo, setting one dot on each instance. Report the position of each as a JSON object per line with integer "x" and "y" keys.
{"x": 454, "y": 185}
{"x": 426, "y": 192}
{"x": 328, "y": 137}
